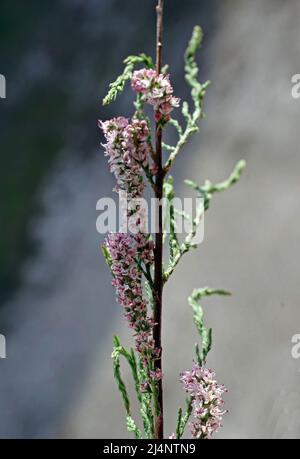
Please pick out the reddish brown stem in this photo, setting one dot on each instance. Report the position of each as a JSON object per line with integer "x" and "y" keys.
{"x": 158, "y": 255}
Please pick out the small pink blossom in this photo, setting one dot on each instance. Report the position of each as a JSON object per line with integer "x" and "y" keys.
{"x": 157, "y": 91}
{"x": 125, "y": 250}
{"x": 156, "y": 375}
{"x": 144, "y": 386}
{"x": 142, "y": 80}
{"x": 207, "y": 400}
{"x": 126, "y": 153}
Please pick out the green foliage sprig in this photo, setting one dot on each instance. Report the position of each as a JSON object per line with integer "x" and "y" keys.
{"x": 198, "y": 92}
{"x": 118, "y": 85}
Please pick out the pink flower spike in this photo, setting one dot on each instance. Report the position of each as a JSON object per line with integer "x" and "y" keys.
{"x": 206, "y": 395}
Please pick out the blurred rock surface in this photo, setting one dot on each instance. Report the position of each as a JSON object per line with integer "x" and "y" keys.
{"x": 251, "y": 242}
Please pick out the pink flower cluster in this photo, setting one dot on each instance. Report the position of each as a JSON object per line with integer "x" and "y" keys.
{"x": 207, "y": 401}
{"x": 128, "y": 152}
{"x": 127, "y": 149}
{"x": 124, "y": 250}
{"x": 157, "y": 91}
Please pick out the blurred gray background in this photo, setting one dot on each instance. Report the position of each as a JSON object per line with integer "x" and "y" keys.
{"x": 58, "y": 310}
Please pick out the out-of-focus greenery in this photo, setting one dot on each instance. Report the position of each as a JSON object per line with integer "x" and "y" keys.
{"x": 30, "y": 137}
